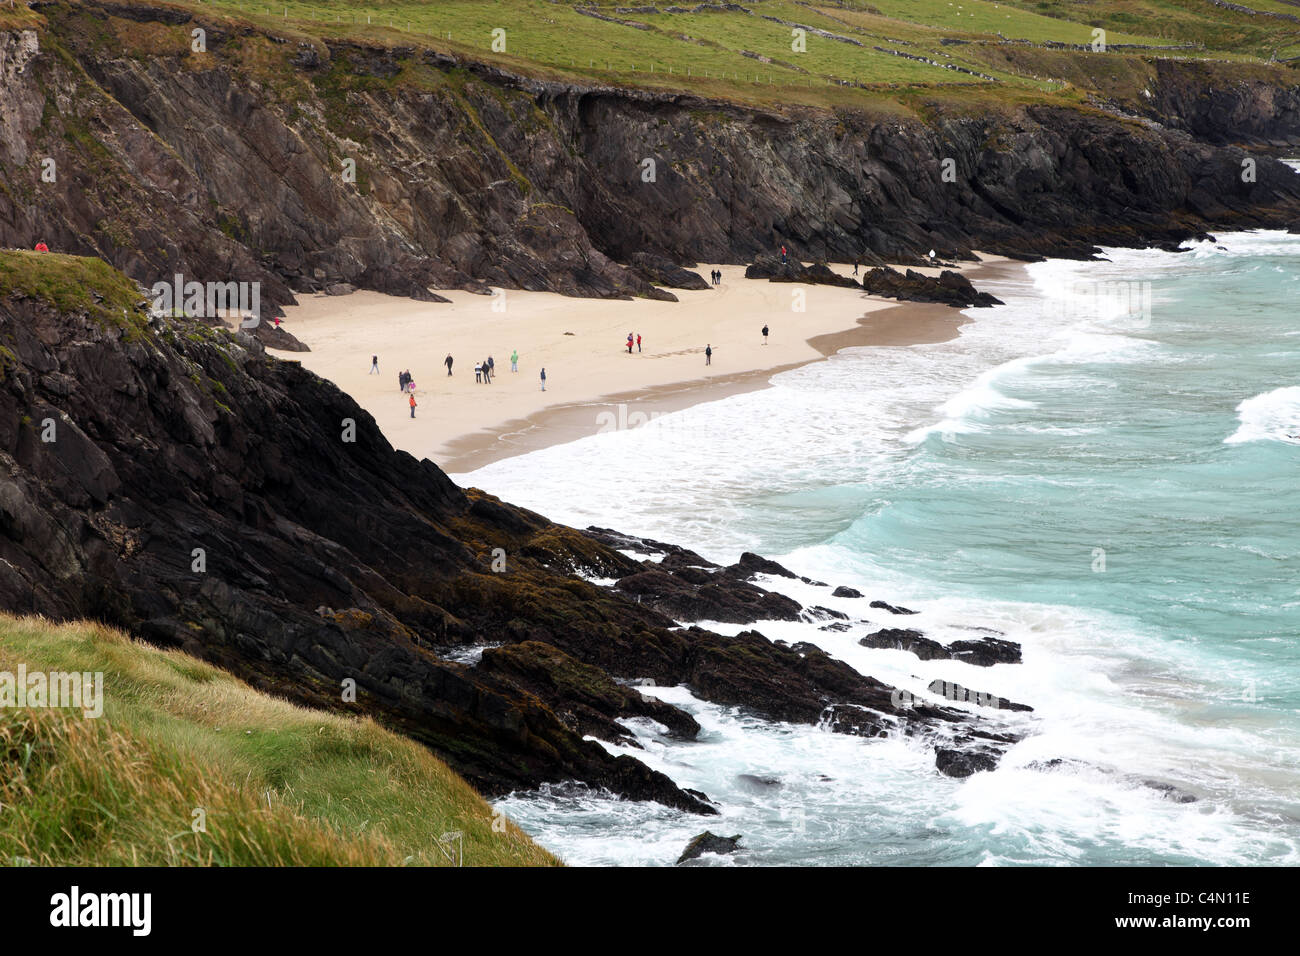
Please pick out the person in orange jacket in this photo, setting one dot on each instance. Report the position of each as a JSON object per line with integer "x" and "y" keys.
{"x": 412, "y": 404}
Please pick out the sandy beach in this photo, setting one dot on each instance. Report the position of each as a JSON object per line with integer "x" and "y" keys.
{"x": 462, "y": 425}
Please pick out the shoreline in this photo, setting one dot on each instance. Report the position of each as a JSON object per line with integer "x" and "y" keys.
{"x": 495, "y": 422}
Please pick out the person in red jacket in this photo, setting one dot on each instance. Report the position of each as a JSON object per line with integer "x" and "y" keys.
{"x": 412, "y": 404}
{"x": 42, "y": 247}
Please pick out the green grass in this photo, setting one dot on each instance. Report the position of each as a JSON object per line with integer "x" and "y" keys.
{"x": 705, "y": 52}
{"x": 280, "y": 785}
{"x": 18, "y": 16}
{"x": 985, "y": 17}
{"x": 73, "y": 284}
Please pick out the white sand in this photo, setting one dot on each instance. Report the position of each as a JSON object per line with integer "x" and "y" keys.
{"x": 585, "y": 367}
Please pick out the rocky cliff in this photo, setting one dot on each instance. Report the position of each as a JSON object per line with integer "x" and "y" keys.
{"x": 304, "y": 164}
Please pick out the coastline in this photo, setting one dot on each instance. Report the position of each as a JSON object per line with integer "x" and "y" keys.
{"x": 463, "y": 426}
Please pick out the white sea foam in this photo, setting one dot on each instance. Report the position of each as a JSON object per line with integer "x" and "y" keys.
{"x": 1272, "y": 416}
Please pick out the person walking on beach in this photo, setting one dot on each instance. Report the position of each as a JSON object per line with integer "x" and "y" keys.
{"x": 543, "y": 380}
{"x": 401, "y": 381}
{"x": 410, "y": 383}
{"x": 765, "y": 333}
{"x": 478, "y": 372}
{"x": 783, "y": 254}
{"x": 856, "y": 263}
{"x": 487, "y": 371}
{"x": 492, "y": 365}
{"x": 447, "y": 362}
{"x": 629, "y": 343}
{"x": 412, "y": 404}
{"x": 638, "y": 341}
{"x": 708, "y": 355}
{"x": 374, "y": 365}
{"x": 514, "y": 360}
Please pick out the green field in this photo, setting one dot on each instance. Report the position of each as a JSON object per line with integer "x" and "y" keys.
{"x": 749, "y": 56}
{"x": 276, "y": 784}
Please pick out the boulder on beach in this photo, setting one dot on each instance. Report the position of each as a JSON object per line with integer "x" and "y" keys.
{"x": 774, "y": 270}
{"x": 949, "y": 288}
{"x": 660, "y": 270}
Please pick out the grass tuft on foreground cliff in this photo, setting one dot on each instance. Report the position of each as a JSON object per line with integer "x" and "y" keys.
{"x": 72, "y": 284}
{"x": 280, "y": 785}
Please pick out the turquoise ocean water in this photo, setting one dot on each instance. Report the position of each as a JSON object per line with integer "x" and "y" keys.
{"x": 1103, "y": 468}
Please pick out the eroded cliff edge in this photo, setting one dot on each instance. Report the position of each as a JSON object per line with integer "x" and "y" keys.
{"x": 230, "y": 165}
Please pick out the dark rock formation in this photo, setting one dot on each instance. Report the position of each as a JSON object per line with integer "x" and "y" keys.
{"x": 774, "y": 270}
{"x": 905, "y": 639}
{"x": 672, "y": 555}
{"x": 584, "y": 697}
{"x": 891, "y": 608}
{"x": 708, "y": 842}
{"x": 751, "y": 564}
{"x": 273, "y": 336}
{"x": 963, "y": 763}
{"x": 846, "y": 592}
{"x": 819, "y": 613}
{"x": 984, "y": 652}
{"x": 660, "y": 270}
{"x": 692, "y": 594}
{"x": 857, "y": 720}
{"x": 949, "y": 288}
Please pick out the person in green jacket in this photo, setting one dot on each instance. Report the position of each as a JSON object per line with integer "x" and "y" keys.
{"x": 514, "y": 360}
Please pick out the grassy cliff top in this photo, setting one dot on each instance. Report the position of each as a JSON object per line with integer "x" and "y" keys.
{"x": 814, "y": 52}
{"x": 71, "y": 284}
{"x": 278, "y": 784}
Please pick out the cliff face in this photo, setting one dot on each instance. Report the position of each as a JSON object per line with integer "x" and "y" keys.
{"x": 1223, "y": 105}
{"x": 236, "y": 163}
{"x": 175, "y": 481}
